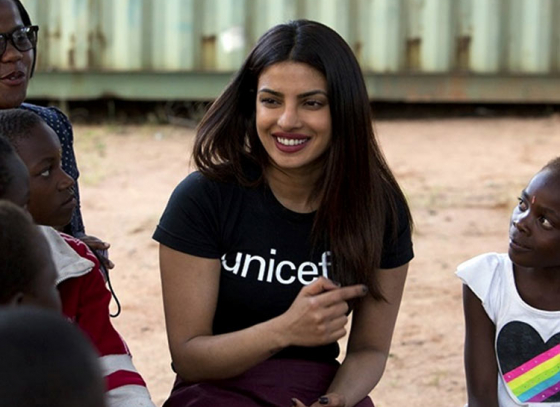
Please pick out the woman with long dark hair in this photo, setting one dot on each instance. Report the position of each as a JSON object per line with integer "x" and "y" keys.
{"x": 292, "y": 221}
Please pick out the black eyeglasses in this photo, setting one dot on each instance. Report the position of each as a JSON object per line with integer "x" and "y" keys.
{"x": 22, "y": 38}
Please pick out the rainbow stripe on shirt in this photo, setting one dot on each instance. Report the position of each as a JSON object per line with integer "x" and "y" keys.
{"x": 538, "y": 379}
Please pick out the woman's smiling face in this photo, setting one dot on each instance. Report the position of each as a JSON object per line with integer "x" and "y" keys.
{"x": 293, "y": 116}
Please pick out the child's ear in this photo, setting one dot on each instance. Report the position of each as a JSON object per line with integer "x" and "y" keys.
{"x": 16, "y": 300}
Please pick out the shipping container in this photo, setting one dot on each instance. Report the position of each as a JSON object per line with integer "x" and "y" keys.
{"x": 409, "y": 50}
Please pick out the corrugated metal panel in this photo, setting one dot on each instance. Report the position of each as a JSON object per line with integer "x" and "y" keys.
{"x": 431, "y": 36}
{"x": 410, "y": 50}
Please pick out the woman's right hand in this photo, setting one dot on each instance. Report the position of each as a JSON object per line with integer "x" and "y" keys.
{"x": 318, "y": 315}
{"x": 190, "y": 287}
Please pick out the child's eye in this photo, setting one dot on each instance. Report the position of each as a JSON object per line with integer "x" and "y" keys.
{"x": 45, "y": 173}
{"x": 522, "y": 205}
{"x": 545, "y": 223}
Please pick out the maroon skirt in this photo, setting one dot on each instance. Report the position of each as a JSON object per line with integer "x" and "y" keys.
{"x": 272, "y": 383}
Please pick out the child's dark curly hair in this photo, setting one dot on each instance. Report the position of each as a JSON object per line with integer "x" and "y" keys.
{"x": 16, "y": 124}
{"x": 19, "y": 262}
{"x": 6, "y": 151}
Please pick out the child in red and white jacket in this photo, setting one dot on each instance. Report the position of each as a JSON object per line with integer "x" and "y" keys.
{"x": 85, "y": 297}
{"x": 85, "y": 300}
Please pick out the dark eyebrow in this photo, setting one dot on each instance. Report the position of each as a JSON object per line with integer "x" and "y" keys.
{"x": 544, "y": 209}
{"x": 301, "y": 96}
{"x": 43, "y": 162}
{"x": 550, "y": 212}
{"x": 272, "y": 92}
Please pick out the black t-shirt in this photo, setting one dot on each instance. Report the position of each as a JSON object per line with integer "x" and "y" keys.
{"x": 264, "y": 249}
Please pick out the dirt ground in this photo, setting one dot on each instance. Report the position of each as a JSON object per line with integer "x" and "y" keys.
{"x": 461, "y": 176}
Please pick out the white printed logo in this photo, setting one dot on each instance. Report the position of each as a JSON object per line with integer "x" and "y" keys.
{"x": 285, "y": 272}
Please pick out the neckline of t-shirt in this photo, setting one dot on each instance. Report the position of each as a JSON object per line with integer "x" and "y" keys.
{"x": 284, "y": 212}
{"x": 511, "y": 278}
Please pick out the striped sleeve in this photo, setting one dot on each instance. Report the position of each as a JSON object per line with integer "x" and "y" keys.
{"x": 86, "y": 301}
{"x": 125, "y": 387}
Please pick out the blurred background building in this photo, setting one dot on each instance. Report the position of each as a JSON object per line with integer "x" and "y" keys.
{"x": 489, "y": 51}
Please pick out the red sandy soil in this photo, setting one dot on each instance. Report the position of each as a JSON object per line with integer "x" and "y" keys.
{"x": 461, "y": 176}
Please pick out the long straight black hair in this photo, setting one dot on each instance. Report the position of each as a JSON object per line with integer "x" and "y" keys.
{"x": 357, "y": 194}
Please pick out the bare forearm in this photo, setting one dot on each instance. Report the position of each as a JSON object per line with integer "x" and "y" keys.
{"x": 316, "y": 317}
{"x": 368, "y": 348}
{"x": 482, "y": 387}
{"x": 224, "y": 356}
{"x": 481, "y": 369}
{"x": 482, "y": 390}
{"x": 358, "y": 375}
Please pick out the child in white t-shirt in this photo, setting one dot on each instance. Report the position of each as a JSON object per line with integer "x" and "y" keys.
{"x": 512, "y": 305}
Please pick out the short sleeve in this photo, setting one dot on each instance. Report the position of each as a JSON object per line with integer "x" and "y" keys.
{"x": 190, "y": 221}
{"x": 397, "y": 252}
{"x": 478, "y": 272}
{"x": 487, "y": 277}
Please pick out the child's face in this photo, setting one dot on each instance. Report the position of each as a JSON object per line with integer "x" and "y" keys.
{"x": 43, "y": 293}
{"x": 535, "y": 223}
{"x": 52, "y": 198}
{"x": 18, "y": 189}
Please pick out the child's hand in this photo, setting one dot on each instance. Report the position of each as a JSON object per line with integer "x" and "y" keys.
{"x": 100, "y": 247}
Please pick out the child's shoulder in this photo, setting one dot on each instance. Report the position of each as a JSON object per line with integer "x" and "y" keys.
{"x": 79, "y": 247}
{"x": 70, "y": 256}
{"x": 485, "y": 273}
{"x": 486, "y": 261}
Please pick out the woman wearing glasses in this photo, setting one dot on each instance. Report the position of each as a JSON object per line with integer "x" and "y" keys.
{"x": 18, "y": 53}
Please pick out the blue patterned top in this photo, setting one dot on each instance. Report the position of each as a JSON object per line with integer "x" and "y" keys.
{"x": 62, "y": 127}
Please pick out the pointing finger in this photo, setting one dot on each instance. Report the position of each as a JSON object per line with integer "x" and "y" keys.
{"x": 319, "y": 286}
{"x": 344, "y": 294}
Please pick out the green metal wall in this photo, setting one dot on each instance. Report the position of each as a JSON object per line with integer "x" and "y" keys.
{"x": 411, "y": 50}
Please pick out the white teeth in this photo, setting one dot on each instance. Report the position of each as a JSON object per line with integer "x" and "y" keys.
{"x": 12, "y": 76}
{"x": 291, "y": 141}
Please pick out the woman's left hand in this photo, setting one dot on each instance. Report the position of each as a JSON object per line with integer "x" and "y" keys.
{"x": 367, "y": 349}
{"x": 328, "y": 400}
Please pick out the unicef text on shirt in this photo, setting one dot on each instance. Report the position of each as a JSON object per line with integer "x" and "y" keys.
{"x": 284, "y": 272}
